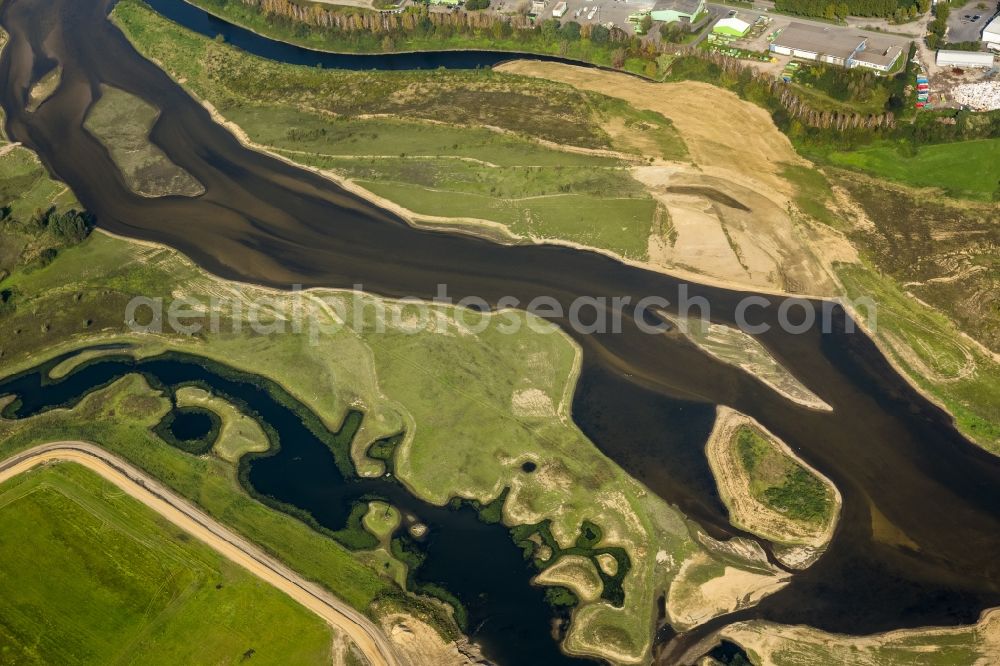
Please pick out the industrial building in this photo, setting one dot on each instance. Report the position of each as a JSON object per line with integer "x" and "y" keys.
{"x": 669, "y": 11}
{"x": 964, "y": 59}
{"x": 837, "y": 47}
{"x": 991, "y": 34}
{"x": 731, "y": 27}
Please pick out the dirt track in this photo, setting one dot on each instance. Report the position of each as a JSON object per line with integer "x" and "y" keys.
{"x": 366, "y": 635}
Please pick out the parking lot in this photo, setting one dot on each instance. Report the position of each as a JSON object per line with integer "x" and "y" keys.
{"x": 962, "y": 29}
{"x": 598, "y": 11}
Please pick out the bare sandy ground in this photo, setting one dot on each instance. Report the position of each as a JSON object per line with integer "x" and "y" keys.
{"x": 779, "y": 644}
{"x": 691, "y": 602}
{"x": 739, "y": 155}
{"x": 368, "y": 637}
{"x": 418, "y": 644}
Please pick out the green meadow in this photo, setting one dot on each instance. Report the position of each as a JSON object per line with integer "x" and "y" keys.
{"x": 966, "y": 169}
{"x": 91, "y": 576}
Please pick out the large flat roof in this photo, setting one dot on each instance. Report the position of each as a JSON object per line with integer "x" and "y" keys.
{"x": 733, "y": 23}
{"x": 879, "y": 51}
{"x": 992, "y": 28}
{"x": 817, "y": 39}
{"x": 952, "y": 57}
{"x": 682, "y": 6}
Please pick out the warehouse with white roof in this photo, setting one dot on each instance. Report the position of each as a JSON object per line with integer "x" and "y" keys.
{"x": 991, "y": 34}
{"x": 964, "y": 59}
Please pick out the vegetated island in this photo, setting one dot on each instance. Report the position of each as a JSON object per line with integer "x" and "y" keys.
{"x": 122, "y": 122}
{"x": 769, "y": 491}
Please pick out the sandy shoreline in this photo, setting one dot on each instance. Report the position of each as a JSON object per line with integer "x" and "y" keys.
{"x": 455, "y": 224}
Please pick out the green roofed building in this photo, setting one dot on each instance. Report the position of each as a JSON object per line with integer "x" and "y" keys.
{"x": 731, "y": 27}
{"x": 669, "y": 11}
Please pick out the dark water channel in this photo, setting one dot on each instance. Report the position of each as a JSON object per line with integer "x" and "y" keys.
{"x": 646, "y": 400}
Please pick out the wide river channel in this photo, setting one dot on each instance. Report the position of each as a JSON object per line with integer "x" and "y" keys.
{"x": 646, "y": 400}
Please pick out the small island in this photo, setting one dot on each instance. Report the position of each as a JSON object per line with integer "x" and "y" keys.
{"x": 769, "y": 491}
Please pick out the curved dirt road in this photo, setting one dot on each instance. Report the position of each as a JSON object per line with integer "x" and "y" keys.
{"x": 366, "y": 635}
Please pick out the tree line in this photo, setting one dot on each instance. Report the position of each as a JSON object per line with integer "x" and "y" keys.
{"x": 420, "y": 22}
{"x": 896, "y": 10}
{"x": 787, "y": 107}
{"x": 796, "y": 117}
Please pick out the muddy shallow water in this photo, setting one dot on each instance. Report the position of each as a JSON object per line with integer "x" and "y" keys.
{"x": 644, "y": 399}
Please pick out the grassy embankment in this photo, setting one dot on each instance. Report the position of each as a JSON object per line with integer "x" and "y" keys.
{"x": 768, "y": 643}
{"x": 505, "y": 398}
{"x": 95, "y": 575}
{"x": 966, "y": 169}
{"x": 122, "y": 123}
{"x": 929, "y": 264}
{"x": 443, "y": 144}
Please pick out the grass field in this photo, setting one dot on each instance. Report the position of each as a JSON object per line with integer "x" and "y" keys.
{"x": 969, "y": 169}
{"x": 450, "y": 172}
{"x": 92, "y": 576}
{"x": 620, "y": 225}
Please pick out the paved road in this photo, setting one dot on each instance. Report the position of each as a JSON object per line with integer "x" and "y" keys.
{"x": 184, "y": 515}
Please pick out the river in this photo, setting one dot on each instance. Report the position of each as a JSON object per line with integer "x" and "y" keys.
{"x": 644, "y": 399}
